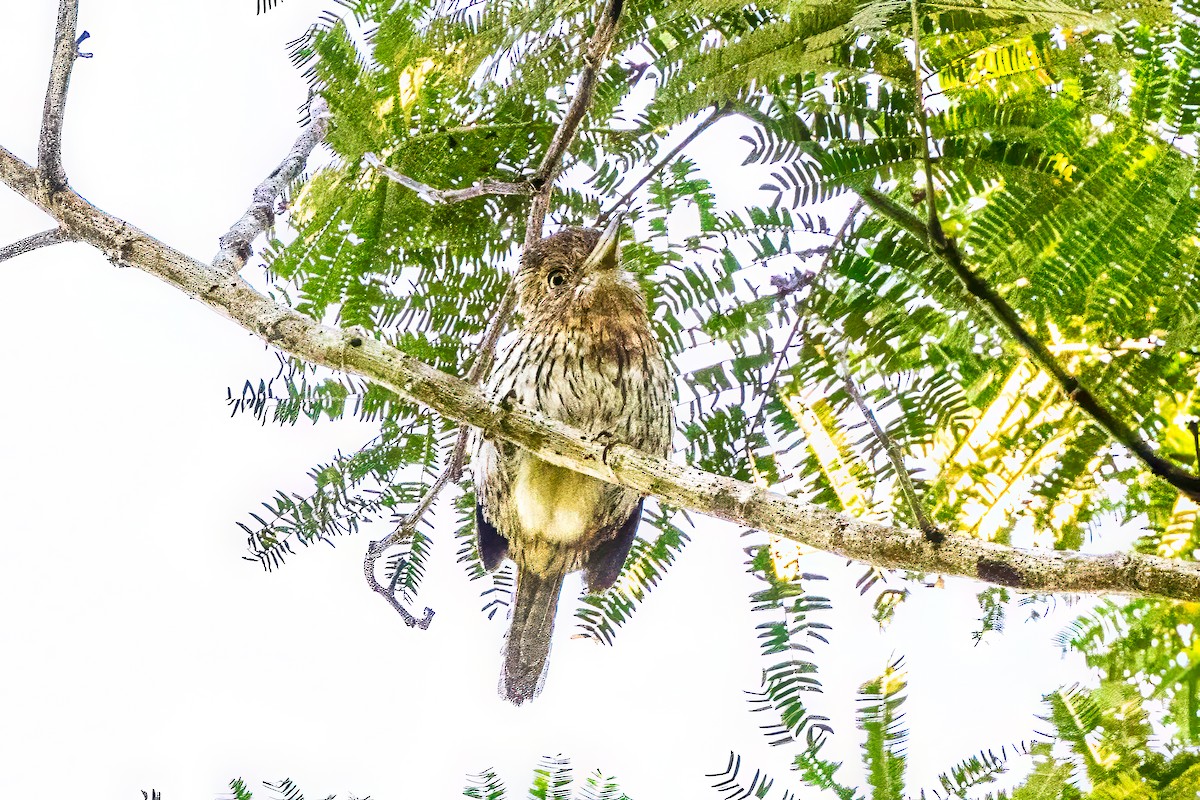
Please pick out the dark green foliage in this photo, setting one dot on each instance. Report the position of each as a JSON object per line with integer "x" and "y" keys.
{"x": 978, "y": 770}
{"x": 551, "y": 781}
{"x": 238, "y": 790}
{"x": 1151, "y": 647}
{"x": 485, "y": 786}
{"x": 879, "y": 717}
{"x": 993, "y": 605}
{"x": 731, "y": 788}
{"x": 1106, "y": 743}
{"x": 789, "y": 633}
{"x": 348, "y": 491}
{"x": 599, "y": 786}
{"x": 1063, "y": 141}
{"x": 1112, "y": 749}
{"x": 817, "y": 772}
{"x": 284, "y": 789}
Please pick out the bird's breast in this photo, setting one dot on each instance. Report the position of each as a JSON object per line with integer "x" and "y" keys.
{"x": 555, "y": 504}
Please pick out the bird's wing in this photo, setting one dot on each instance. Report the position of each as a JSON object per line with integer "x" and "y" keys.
{"x": 606, "y": 559}
{"x": 492, "y": 546}
{"x": 491, "y": 478}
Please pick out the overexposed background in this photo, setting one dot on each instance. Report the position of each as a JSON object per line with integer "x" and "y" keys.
{"x": 141, "y": 652}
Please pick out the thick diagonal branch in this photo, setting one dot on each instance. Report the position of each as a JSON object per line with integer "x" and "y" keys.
{"x": 932, "y": 237}
{"x": 236, "y": 244}
{"x": 946, "y": 250}
{"x": 682, "y": 486}
{"x": 66, "y": 49}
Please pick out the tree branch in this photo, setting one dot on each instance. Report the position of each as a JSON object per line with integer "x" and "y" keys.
{"x": 440, "y": 197}
{"x": 540, "y": 184}
{"x": 593, "y": 59}
{"x": 722, "y": 111}
{"x": 801, "y": 318}
{"x": 935, "y": 225}
{"x": 43, "y": 239}
{"x": 236, "y": 244}
{"x": 946, "y": 250}
{"x": 895, "y": 456}
{"x": 932, "y": 237}
{"x": 66, "y": 49}
{"x": 682, "y": 486}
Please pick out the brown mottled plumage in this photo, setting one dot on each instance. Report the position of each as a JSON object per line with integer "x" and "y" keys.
{"x": 585, "y": 355}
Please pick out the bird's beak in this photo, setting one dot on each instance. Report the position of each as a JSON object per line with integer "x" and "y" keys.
{"x": 604, "y": 254}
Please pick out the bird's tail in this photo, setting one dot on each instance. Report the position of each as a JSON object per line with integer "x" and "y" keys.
{"x": 527, "y": 645}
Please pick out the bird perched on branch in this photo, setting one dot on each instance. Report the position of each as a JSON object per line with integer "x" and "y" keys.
{"x": 584, "y": 355}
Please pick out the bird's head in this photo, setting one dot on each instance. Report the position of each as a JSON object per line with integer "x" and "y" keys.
{"x": 576, "y": 272}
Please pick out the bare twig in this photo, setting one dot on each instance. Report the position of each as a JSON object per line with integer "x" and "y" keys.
{"x": 752, "y": 506}
{"x": 801, "y": 321}
{"x": 593, "y": 59}
{"x": 894, "y": 455}
{"x": 389, "y": 592}
{"x": 236, "y": 244}
{"x": 440, "y": 197}
{"x": 404, "y": 531}
{"x": 450, "y": 473}
{"x": 43, "y": 239}
{"x": 66, "y": 49}
{"x": 666, "y": 160}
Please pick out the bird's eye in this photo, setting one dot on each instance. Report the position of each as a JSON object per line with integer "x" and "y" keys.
{"x": 556, "y": 278}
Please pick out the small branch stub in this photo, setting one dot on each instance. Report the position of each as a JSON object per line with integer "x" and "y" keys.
{"x": 236, "y": 245}
{"x": 38, "y": 240}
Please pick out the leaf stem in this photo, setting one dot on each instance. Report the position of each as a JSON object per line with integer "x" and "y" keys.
{"x": 894, "y": 455}
{"x": 721, "y": 111}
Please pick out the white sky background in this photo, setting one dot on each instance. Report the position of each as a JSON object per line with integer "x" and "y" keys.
{"x": 141, "y": 652}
